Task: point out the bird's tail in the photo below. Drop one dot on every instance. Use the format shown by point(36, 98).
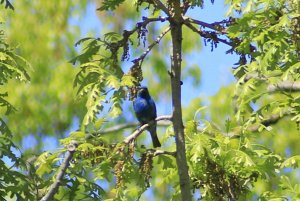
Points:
point(154, 137)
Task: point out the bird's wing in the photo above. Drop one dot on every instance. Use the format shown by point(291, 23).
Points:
point(140, 105)
point(141, 108)
point(153, 108)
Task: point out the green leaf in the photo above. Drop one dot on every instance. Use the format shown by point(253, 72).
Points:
point(115, 111)
point(110, 4)
point(77, 135)
point(99, 123)
point(113, 82)
point(293, 161)
point(128, 81)
point(45, 162)
point(166, 161)
point(241, 157)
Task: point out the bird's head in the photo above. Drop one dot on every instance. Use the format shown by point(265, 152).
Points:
point(143, 92)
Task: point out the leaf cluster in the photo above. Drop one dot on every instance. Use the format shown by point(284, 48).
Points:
point(13, 183)
point(223, 167)
point(100, 78)
point(273, 29)
point(127, 167)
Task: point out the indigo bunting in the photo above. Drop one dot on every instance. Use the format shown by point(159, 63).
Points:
point(145, 111)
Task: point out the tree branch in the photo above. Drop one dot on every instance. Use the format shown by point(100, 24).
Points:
point(158, 39)
point(114, 47)
point(207, 34)
point(119, 127)
point(162, 152)
point(185, 6)
point(273, 119)
point(139, 131)
point(287, 86)
point(214, 26)
point(161, 6)
point(144, 23)
point(63, 168)
point(284, 86)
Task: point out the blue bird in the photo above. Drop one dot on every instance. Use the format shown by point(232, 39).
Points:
point(145, 111)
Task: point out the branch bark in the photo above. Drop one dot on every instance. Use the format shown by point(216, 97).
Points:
point(273, 119)
point(288, 86)
point(162, 123)
point(142, 57)
point(176, 32)
point(139, 131)
point(161, 6)
point(204, 24)
point(284, 86)
point(63, 168)
point(205, 34)
point(162, 152)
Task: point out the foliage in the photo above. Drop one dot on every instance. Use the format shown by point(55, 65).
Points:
point(12, 66)
point(223, 167)
point(100, 74)
point(48, 101)
point(274, 61)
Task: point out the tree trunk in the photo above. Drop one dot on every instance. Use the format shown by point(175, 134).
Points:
point(176, 33)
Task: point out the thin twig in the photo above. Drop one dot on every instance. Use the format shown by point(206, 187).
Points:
point(144, 23)
point(158, 39)
point(161, 6)
point(62, 171)
point(204, 24)
point(127, 125)
point(207, 35)
point(139, 131)
point(117, 128)
point(273, 119)
point(185, 5)
point(155, 152)
point(162, 152)
point(139, 25)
